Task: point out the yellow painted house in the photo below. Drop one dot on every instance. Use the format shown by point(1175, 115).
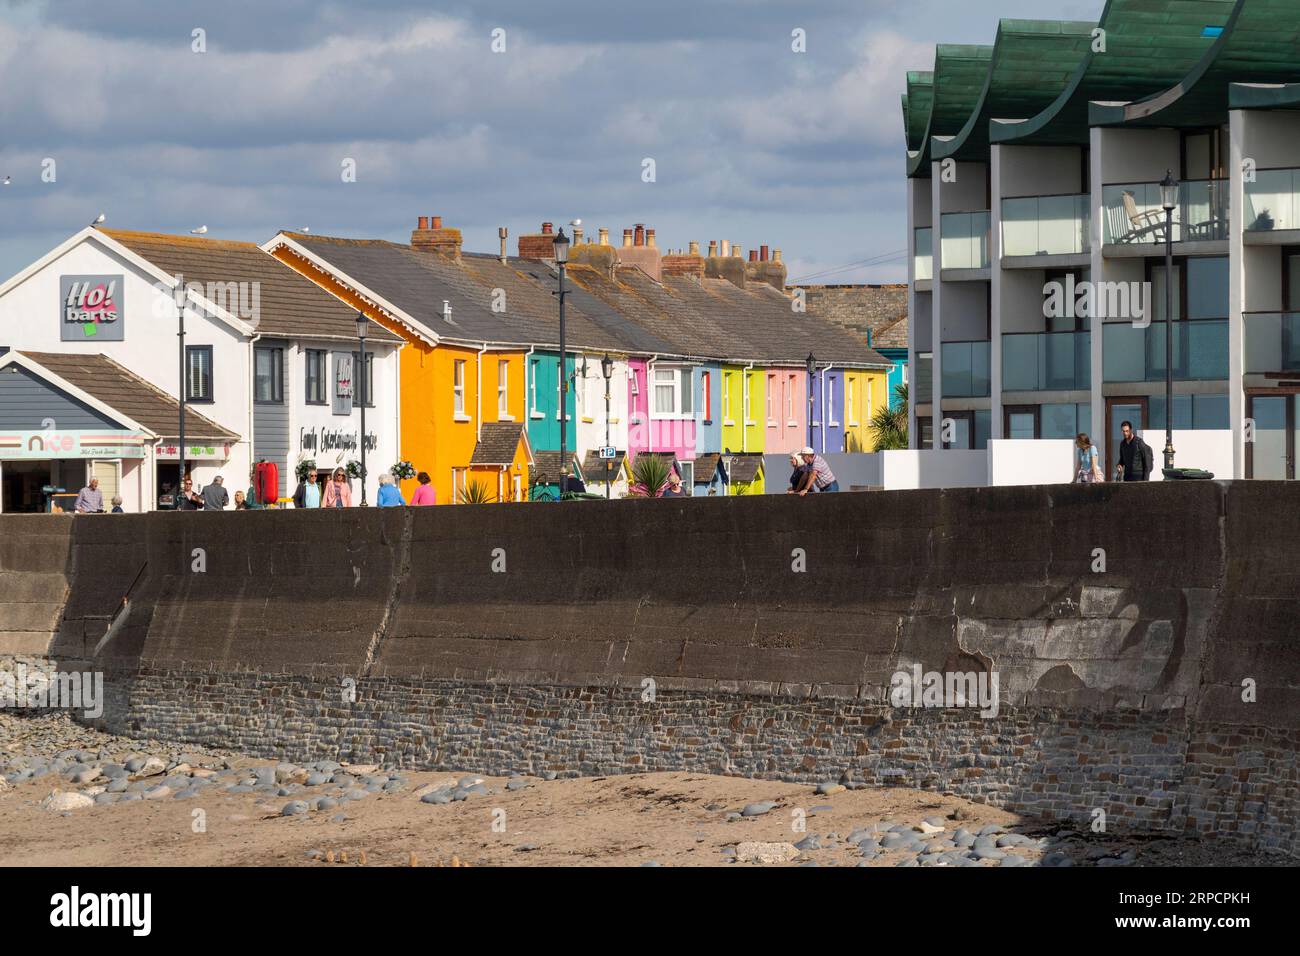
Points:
point(743, 399)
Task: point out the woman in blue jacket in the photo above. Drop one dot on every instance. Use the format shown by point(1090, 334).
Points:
point(390, 496)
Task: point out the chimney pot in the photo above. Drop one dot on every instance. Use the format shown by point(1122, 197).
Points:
point(737, 251)
point(604, 236)
point(639, 234)
point(437, 222)
point(424, 223)
point(725, 250)
point(753, 255)
point(546, 228)
point(762, 253)
point(776, 255)
point(650, 238)
point(713, 248)
point(695, 248)
point(577, 235)
point(627, 237)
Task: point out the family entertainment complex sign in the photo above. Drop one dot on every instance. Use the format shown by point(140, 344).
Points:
point(90, 307)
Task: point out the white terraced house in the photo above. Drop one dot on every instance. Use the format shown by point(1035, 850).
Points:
point(1037, 231)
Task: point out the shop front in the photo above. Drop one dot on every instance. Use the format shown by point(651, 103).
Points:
point(43, 471)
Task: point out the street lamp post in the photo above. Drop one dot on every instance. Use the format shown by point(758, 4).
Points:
point(178, 296)
point(561, 259)
point(1169, 199)
point(362, 324)
point(607, 369)
point(812, 371)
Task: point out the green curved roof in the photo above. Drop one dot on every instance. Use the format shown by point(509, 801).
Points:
point(1150, 45)
point(959, 71)
point(916, 107)
point(1259, 43)
point(1249, 96)
point(1032, 61)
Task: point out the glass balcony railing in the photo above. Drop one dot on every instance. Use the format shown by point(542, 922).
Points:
point(924, 378)
point(1272, 342)
point(924, 253)
point(1046, 361)
point(1273, 200)
point(1045, 225)
point(965, 369)
point(1132, 354)
point(1134, 214)
point(964, 240)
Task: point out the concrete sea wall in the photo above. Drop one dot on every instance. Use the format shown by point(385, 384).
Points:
point(1143, 638)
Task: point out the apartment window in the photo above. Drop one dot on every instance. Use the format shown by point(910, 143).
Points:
point(726, 397)
point(749, 398)
point(534, 365)
point(789, 400)
point(314, 375)
point(771, 398)
point(851, 408)
point(368, 381)
point(706, 394)
point(198, 366)
point(829, 411)
point(268, 375)
point(687, 470)
point(672, 392)
point(503, 385)
point(458, 387)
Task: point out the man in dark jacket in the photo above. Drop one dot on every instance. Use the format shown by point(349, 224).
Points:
point(1135, 456)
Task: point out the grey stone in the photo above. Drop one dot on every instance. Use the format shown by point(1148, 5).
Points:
point(298, 807)
point(755, 809)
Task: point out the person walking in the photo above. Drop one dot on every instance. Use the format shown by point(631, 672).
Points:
point(819, 476)
point(426, 494)
point(215, 497)
point(390, 496)
point(1087, 467)
point(337, 493)
point(308, 492)
point(90, 500)
point(798, 476)
point(1135, 456)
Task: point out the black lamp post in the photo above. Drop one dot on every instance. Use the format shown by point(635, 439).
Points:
point(362, 328)
point(812, 371)
point(561, 259)
point(1169, 199)
point(607, 369)
point(178, 296)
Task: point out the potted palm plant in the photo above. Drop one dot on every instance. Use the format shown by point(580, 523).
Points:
point(649, 475)
point(889, 423)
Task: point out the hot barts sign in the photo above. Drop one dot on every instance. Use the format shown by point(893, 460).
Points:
point(90, 307)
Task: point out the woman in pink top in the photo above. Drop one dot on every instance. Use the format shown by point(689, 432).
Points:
point(337, 493)
point(425, 494)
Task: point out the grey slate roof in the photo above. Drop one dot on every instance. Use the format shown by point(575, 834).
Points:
point(289, 304)
point(546, 464)
point(706, 467)
point(745, 467)
point(497, 443)
point(129, 394)
point(593, 466)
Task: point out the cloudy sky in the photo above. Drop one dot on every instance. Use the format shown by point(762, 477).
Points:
point(751, 141)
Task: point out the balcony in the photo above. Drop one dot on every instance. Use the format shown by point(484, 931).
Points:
point(1046, 361)
point(1273, 200)
point(964, 240)
point(1131, 354)
point(965, 369)
point(1272, 342)
point(924, 379)
point(1046, 225)
point(924, 257)
point(1134, 216)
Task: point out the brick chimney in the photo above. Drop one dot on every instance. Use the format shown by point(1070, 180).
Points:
point(635, 251)
point(538, 245)
point(683, 264)
point(760, 268)
point(430, 236)
point(730, 265)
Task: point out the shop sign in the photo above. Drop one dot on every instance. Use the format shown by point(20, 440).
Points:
point(192, 452)
point(102, 443)
point(323, 440)
point(91, 307)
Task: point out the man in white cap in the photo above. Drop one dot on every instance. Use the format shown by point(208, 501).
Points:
point(819, 476)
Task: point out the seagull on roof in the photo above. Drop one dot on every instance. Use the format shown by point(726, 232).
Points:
point(199, 231)
point(99, 219)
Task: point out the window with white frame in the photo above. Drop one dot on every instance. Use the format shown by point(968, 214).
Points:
point(534, 365)
point(503, 387)
point(672, 392)
point(852, 409)
point(687, 470)
point(726, 397)
point(458, 386)
point(789, 400)
point(771, 392)
point(749, 398)
point(829, 411)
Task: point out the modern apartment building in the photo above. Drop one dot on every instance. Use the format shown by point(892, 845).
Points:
point(1037, 233)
